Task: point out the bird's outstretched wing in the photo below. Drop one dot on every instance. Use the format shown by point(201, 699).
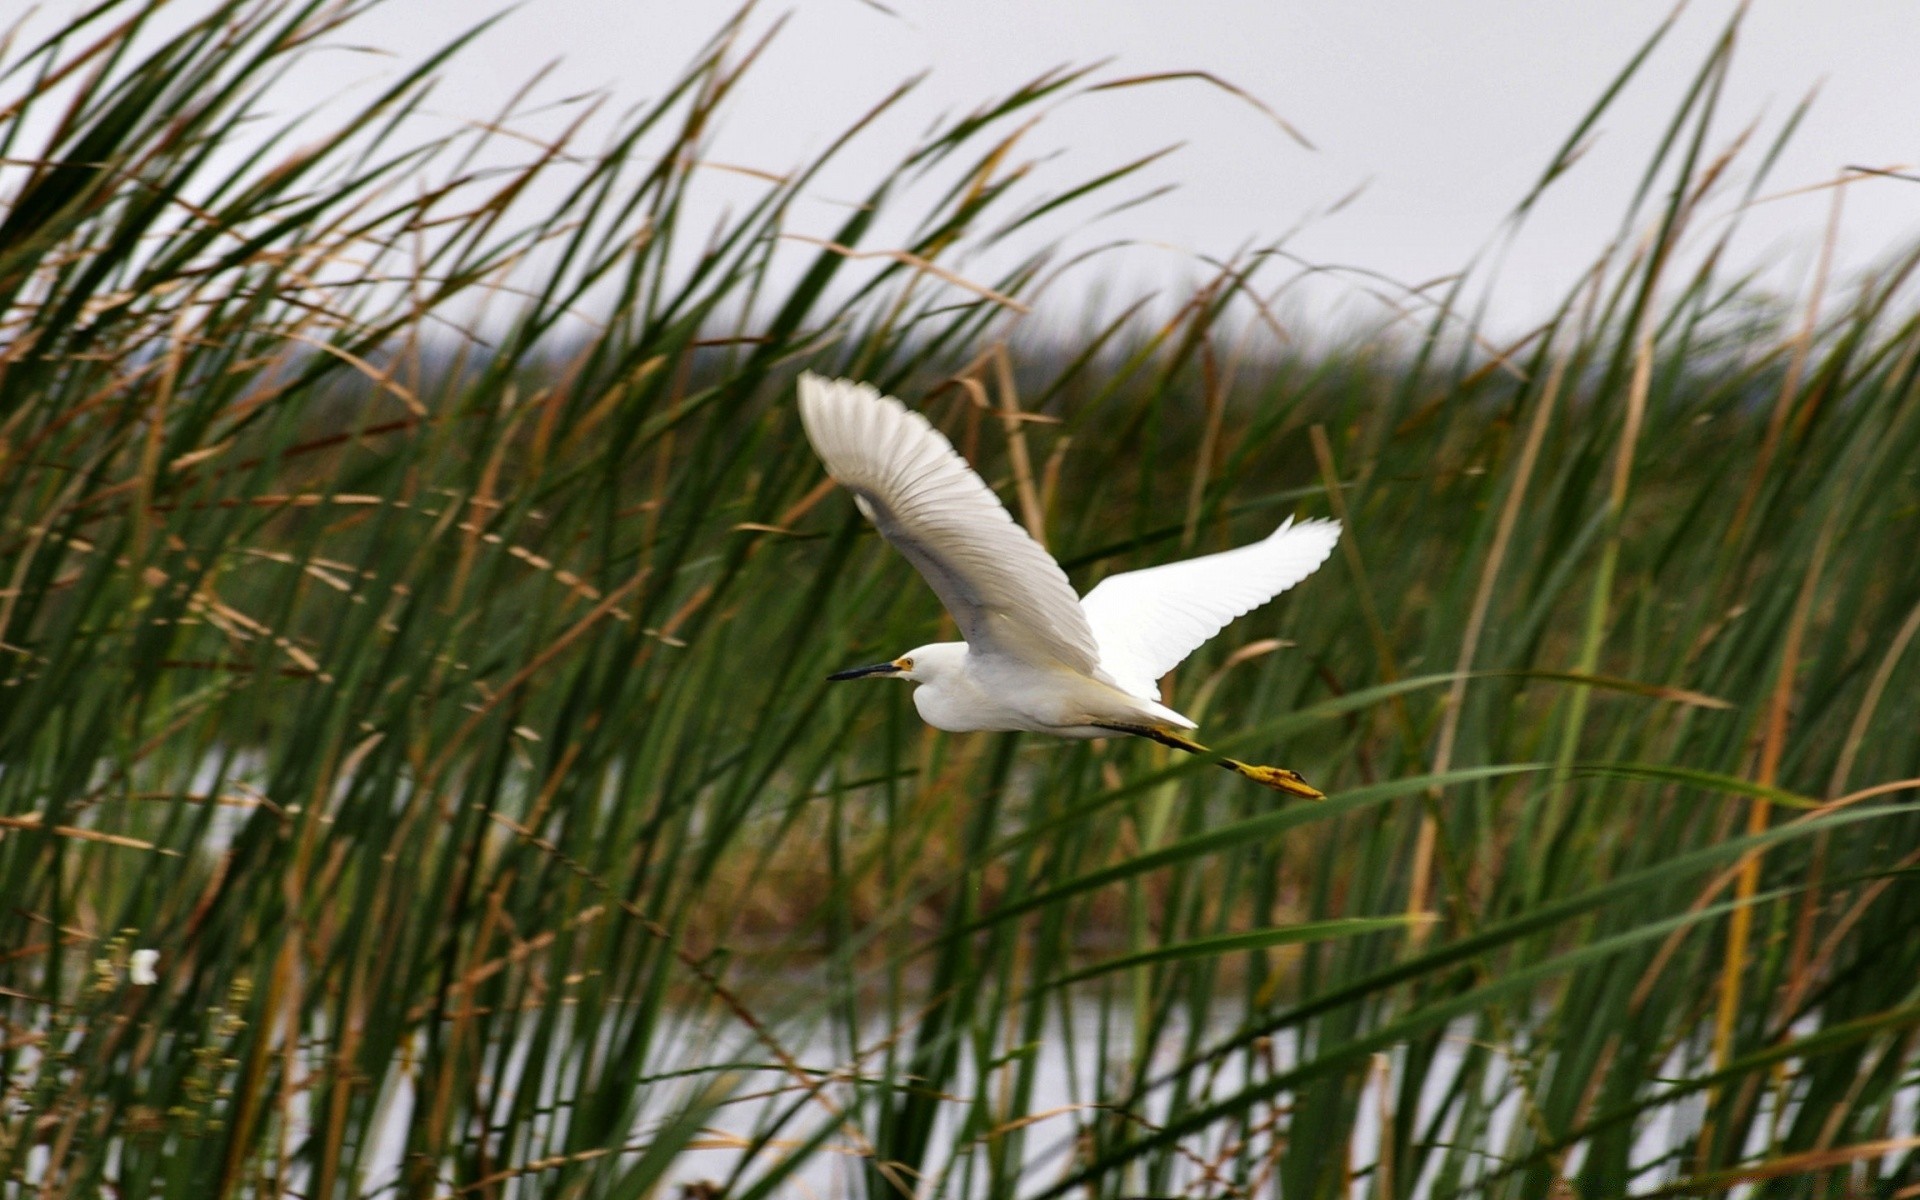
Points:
point(1146, 622)
point(1005, 592)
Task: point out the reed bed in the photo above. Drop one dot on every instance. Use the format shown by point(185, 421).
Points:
point(414, 611)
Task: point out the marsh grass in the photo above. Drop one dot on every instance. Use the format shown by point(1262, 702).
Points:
point(447, 709)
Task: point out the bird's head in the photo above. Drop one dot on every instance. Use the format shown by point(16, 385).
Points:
point(928, 664)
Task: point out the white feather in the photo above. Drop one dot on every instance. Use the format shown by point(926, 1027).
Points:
point(1147, 622)
point(1006, 593)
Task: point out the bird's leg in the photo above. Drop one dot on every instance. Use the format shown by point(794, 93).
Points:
point(1278, 778)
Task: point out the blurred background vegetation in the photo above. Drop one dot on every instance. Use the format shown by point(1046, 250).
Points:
point(414, 611)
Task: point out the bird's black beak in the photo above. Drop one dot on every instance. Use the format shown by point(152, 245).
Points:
point(885, 668)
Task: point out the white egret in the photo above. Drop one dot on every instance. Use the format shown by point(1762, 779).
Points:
point(1037, 657)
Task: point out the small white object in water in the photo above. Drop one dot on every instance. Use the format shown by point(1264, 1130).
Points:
point(1036, 656)
point(140, 971)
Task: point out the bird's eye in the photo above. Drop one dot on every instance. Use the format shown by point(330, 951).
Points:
point(906, 664)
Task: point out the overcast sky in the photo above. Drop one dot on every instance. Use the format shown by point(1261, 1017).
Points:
point(1446, 112)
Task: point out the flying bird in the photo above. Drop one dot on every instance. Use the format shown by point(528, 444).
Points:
point(1037, 657)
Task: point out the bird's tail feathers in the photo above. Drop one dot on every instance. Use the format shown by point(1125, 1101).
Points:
point(1166, 716)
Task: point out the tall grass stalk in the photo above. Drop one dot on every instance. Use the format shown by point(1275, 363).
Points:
point(416, 592)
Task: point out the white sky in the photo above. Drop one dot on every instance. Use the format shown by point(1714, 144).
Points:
point(1447, 111)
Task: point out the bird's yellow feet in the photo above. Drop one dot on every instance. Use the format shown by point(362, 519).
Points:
point(1279, 779)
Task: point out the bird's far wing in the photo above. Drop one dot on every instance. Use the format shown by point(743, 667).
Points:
point(1005, 592)
point(1146, 622)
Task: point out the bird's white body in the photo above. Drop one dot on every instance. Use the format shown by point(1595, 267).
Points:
point(1037, 657)
point(961, 692)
